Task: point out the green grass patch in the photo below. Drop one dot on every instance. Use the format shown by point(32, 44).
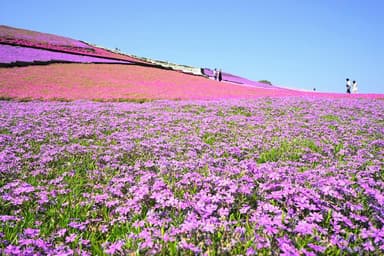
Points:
point(288, 150)
point(195, 109)
point(5, 131)
point(330, 118)
point(238, 110)
point(212, 138)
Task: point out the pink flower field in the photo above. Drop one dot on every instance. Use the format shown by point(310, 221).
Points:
point(269, 176)
point(97, 81)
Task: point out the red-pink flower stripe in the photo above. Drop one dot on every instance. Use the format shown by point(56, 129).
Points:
point(103, 81)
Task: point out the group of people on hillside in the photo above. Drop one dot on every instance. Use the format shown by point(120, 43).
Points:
point(217, 75)
point(350, 87)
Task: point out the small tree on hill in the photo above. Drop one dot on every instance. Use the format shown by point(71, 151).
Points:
point(265, 82)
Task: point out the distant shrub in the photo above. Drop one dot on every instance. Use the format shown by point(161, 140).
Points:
point(139, 100)
point(5, 98)
point(60, 99)
point(265, 82)
point(26, 99)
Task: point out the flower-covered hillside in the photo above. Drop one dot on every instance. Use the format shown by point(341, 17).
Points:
point(28, 38)
point(14, 35)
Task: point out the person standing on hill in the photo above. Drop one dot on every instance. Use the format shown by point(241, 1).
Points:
point(220, 76)
point(354, 86)
point(348, 85)
point(215, 74)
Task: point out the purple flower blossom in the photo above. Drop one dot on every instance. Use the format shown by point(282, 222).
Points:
point(188, 246)
point(304, 228)
point(6, 218)
point(250, 251)
point(317, 248)
point(61, 232)
point(12, 250)
point(244, 209)
point(315, 217)
point(71, 238)
point(30, 232)
point(368, 246)
point(115, 247)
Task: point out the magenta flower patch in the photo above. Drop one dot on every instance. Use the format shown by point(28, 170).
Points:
point(17, 54)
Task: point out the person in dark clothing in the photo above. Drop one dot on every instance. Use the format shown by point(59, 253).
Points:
point(220, 76)
point(348, 85)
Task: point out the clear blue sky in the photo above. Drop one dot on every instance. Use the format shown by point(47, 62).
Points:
point(293, 43)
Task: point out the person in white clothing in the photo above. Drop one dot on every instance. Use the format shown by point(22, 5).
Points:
point(354, 87)
point(215, 74)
